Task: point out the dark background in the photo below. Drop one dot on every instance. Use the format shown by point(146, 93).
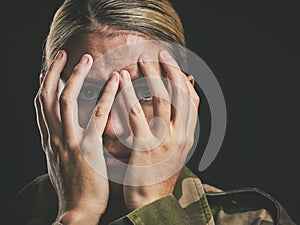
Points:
point(252, 48)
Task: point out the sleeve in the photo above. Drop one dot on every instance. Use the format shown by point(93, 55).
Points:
point(163, 211)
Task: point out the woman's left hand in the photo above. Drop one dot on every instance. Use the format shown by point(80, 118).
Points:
point(159, 150)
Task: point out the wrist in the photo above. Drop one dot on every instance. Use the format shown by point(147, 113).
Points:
point(138, 201)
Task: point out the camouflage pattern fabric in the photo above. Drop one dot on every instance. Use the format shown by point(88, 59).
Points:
point(192, 203)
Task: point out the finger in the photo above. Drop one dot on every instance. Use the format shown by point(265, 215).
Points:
point(39, 115)
point(91, 146)
point(47, 94)
point(119, 116)
point(68, 97)
point(137, 119)
point(180, 91)
point(104, 105)
point(40, 122)
point(193, 114)
point(119, 110)
point(160, 95)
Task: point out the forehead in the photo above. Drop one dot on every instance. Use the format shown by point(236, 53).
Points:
point(110, 53)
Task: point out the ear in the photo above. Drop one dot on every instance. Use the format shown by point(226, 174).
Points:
point(191, 79)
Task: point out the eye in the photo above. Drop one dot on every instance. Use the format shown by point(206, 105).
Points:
point(88, 93)
point(143, 93)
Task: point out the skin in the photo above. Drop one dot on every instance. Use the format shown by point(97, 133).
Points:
point(84, 196)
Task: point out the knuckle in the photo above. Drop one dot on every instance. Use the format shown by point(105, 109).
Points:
point(102, 110)
point(196, 100)
point(72, 146)
point(45, 145)
point(63, 156)
point(162, 101)
point(136, 110)
point(182, 143)
point(189, 143)
point(65, 100)
point(36, 101)
point(181, 91)
point(44, 95)
point(55, 142)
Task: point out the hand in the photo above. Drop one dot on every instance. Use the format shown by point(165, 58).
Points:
point(160, 149)
point(82, 192)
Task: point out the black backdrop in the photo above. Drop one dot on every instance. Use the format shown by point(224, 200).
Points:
point(253, 50)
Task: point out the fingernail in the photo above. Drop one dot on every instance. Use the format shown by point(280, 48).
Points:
point(59, 55)
point(125, 75)
point(84, 59)
point(165, 54)
point(146, 59)
point(114, 77)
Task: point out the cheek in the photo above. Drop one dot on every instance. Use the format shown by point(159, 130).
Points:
point(85, 110)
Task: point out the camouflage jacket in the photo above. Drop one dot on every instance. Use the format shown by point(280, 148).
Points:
point(192, 203)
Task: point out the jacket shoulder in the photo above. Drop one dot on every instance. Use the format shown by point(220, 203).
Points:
point(245, 206)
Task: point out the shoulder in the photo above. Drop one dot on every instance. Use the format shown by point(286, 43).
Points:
point(36, 203)
point(241, 206)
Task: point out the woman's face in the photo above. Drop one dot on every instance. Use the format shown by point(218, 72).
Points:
point(111, 54)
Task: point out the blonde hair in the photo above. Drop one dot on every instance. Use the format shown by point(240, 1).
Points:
point(156, 19)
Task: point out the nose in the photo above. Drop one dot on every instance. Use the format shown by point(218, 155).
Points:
point(117, 124)
point(118, 121)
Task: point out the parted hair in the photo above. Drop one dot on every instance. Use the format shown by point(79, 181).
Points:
point(156, 19)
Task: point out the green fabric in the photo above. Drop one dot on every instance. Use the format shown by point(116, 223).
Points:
point(191, 203)
point(167, 210)
point(199, 212)
point(161, 212)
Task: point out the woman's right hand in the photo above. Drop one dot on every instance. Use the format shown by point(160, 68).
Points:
point(82, 192)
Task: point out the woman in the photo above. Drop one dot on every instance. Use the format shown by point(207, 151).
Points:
point(117, 117)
